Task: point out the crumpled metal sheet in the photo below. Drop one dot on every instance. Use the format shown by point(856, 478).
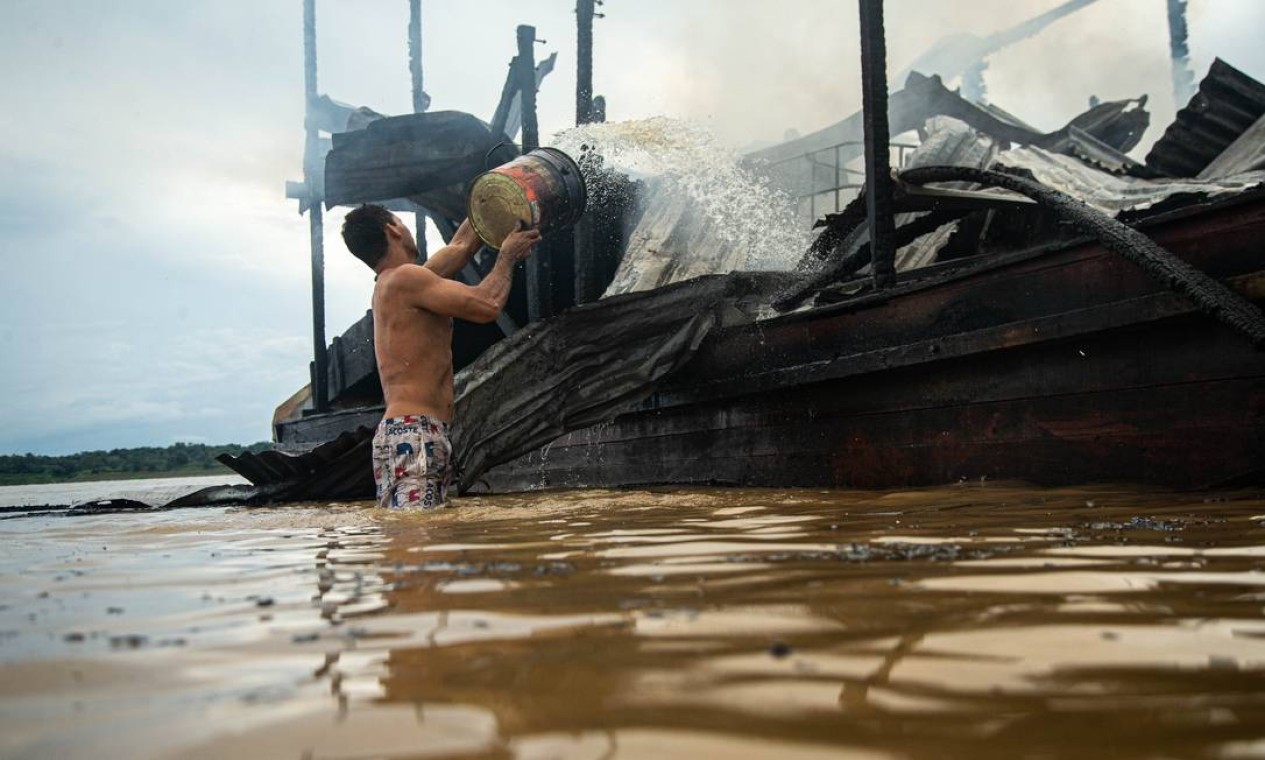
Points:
point(339, 469)
point(410, 155)
point(585, 366)
point(1113, 194)
point(949, 143)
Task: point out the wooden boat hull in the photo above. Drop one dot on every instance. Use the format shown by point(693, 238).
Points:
point(1055, 367)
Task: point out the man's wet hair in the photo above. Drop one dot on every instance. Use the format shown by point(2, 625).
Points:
point(365, 232)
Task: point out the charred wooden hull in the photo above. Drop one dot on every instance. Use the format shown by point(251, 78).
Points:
point(1057, 367)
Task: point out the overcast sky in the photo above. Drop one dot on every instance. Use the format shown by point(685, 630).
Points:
point(156, 282)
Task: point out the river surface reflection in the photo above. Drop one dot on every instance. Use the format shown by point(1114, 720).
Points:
point(974, 621)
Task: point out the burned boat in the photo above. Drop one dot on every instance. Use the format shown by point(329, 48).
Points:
point(1010, 339)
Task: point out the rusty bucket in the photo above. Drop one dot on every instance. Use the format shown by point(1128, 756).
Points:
point(542, 188)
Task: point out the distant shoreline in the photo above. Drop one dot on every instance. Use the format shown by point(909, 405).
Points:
point(89, 477)
point(179, 460)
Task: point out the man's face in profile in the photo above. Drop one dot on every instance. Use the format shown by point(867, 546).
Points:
point(406, 234)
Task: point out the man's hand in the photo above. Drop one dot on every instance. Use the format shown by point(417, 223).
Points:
point(520, 243)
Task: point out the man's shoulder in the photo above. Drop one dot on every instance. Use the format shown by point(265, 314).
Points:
point(406, 275)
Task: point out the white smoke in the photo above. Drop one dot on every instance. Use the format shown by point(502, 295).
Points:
point(751, 69)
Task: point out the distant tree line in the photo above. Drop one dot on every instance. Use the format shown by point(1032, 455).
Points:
point(146, 461)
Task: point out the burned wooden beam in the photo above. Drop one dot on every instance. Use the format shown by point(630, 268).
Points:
point(508, 117)
point(526, 81)
point(878, 170)
point(316, 228)
point(584, 61)
point(539, 282)
point(421, 101)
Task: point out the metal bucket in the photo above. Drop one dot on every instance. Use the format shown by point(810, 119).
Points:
point(542, 188)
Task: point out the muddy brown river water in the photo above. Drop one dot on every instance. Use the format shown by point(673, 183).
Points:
point(978, 621)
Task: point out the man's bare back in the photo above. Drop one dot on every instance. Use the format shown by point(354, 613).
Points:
point(414, 350)
point(413, 308)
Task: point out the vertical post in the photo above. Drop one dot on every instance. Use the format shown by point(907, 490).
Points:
point(420, 100)
point(878, 171)
point(838, 180)
point(539, 292)
point(527, 86)
point(415, 55)
point(1179, 49)
point(584, 62)
point(311, 155)
point(583, 251)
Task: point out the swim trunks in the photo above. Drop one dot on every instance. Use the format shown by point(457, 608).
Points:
point(412, 462)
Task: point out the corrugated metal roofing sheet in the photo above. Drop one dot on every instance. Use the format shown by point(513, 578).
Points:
point(1093, 151)
point(1228, 103)
point(1113, 194)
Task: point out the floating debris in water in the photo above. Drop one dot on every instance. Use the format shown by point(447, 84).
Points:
point(128, 641)
point(1137, 523)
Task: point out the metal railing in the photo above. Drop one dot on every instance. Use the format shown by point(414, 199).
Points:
point(828, 183)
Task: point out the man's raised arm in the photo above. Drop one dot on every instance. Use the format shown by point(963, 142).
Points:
point(449, 260)
point(480, 303)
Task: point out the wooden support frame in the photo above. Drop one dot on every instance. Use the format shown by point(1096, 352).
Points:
point(316, 226)
point(421, 101)
point(527, 86)
point(584, 11)
point(539, 269)
point(878, 170)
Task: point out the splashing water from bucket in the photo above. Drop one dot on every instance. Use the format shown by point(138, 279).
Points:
point(755, 223)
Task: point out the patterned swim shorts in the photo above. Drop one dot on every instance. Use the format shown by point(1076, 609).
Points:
point(412, 462)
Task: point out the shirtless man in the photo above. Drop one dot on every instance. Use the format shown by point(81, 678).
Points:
point(413, 307)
